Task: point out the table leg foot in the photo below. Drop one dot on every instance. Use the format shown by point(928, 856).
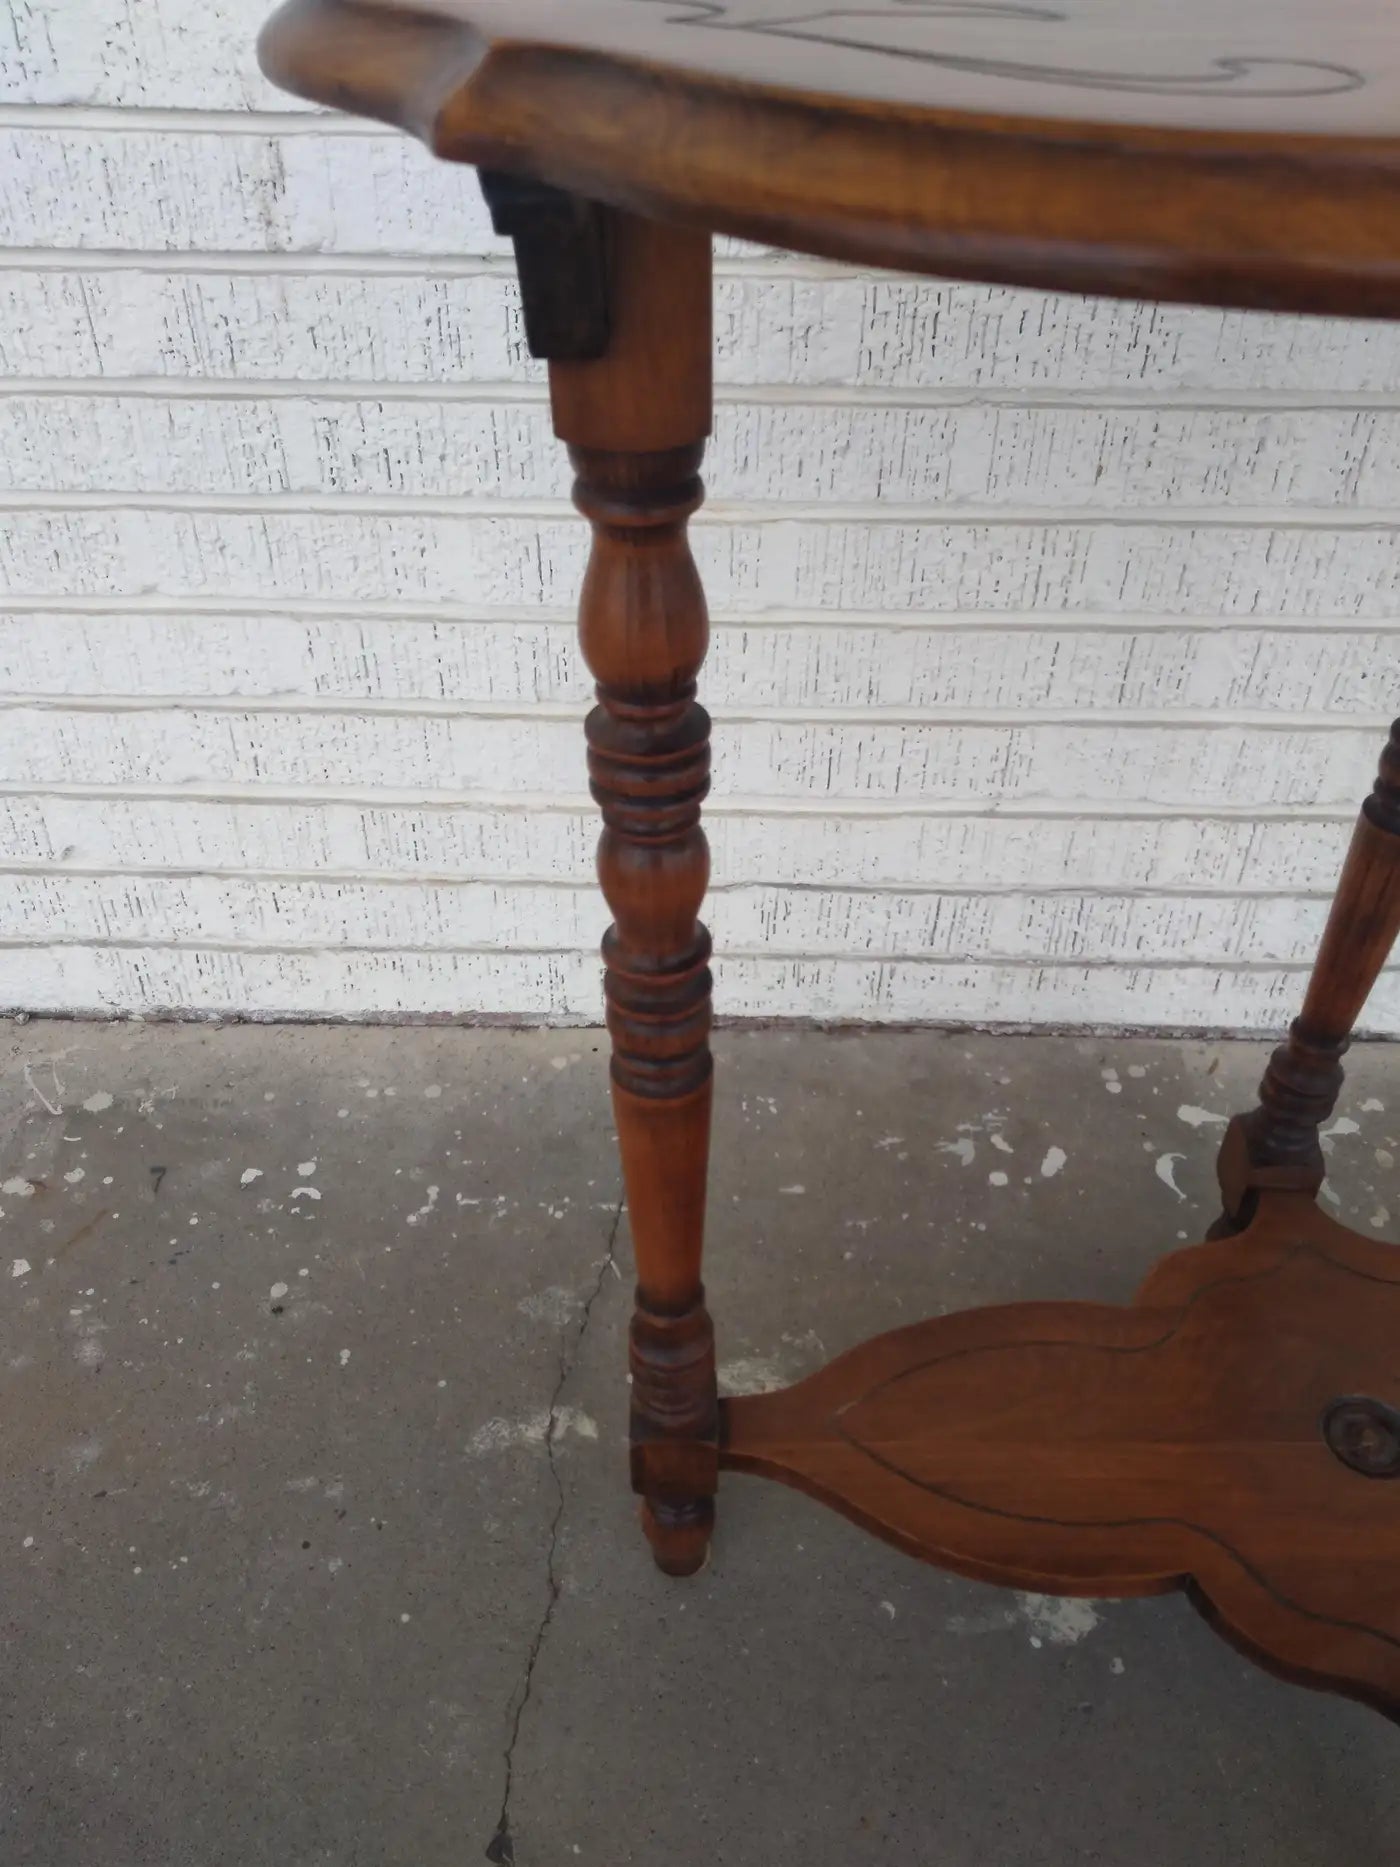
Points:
point(679, 1533)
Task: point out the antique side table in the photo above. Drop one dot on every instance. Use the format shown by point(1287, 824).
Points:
point(1236, 1431)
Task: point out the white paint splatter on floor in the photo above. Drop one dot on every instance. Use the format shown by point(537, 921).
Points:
point(1062, 1620)
point(994, 1621)
point(1055, 1158)
point(277, 1292)
point(996, 1179)
point(424, 1210)
point(306, 1168)
point(1164, 1171)
point(18, 1187)
point(555, 1306)
point(751, 1374)
point(502, 1435)
point(1198, 1118)
point(249, 1174)
point(306, 1192)
point(97, 1104)
point(21, 1267)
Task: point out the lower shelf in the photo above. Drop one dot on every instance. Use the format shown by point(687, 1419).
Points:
point(1233, 1432)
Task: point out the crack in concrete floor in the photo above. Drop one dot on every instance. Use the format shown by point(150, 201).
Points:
point(501, 1847)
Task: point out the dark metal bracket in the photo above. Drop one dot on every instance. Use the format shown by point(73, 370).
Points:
point(561, 257)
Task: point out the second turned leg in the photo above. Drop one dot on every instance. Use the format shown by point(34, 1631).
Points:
point(636, 419)
point(1277, 1144)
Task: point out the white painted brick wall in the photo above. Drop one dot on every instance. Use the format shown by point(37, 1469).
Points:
point(1054, 639)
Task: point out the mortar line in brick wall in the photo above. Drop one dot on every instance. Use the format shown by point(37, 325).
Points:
point(495, 260)
point(587, 885)
point(198, 119)
point(570, 712)
point(498, 394)
point(1048, 963)
point(723, 514)
point(438, 615)
point(525, 803)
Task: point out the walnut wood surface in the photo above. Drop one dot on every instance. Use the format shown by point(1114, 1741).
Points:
point(1241, 155)
point(1085, 1449)
point(1277, 1144)
point(1236, 1432)
point(635, 420)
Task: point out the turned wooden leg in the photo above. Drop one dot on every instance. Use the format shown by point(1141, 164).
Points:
point(635, 419)
point(1277, 1145)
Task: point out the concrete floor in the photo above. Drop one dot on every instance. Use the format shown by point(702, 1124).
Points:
point(294, 1570)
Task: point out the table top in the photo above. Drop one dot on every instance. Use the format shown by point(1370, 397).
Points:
point(1239, 151)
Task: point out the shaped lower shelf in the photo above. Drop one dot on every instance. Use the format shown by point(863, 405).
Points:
point(1234, 1432)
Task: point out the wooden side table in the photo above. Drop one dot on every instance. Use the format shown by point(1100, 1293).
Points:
point(1236, 1431)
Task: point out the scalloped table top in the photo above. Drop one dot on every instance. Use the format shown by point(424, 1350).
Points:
point(1241, 151)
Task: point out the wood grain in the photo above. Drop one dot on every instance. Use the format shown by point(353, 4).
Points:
point(1081, 1449)
point(635, 419)
point(1218, 201)
point(1278, 1144)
